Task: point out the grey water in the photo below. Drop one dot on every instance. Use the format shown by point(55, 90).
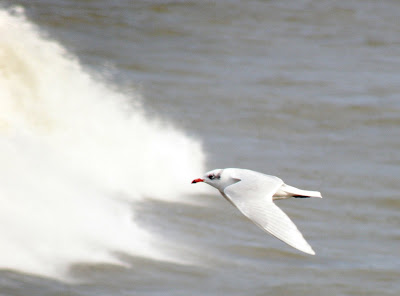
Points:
point(306, 90)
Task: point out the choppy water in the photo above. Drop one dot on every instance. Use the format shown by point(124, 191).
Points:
point(108, 109)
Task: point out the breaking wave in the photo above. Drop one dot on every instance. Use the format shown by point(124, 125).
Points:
point(70, 148)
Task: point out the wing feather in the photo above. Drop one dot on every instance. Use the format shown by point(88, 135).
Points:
point(252, 195)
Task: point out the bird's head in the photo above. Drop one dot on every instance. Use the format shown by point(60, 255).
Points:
point(218, 178)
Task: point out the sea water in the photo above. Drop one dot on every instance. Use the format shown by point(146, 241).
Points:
point(109, 109)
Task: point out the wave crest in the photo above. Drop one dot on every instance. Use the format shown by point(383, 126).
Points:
point(70, 145)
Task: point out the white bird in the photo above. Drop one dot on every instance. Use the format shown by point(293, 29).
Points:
point(253, 194)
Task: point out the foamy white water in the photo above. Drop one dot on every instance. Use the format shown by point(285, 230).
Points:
point(75, 154)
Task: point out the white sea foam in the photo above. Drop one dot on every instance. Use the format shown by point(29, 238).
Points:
point(69, 147)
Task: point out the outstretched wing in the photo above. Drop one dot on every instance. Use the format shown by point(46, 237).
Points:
point(252, 195)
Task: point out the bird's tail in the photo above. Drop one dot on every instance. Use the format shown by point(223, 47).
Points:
point(299, 193)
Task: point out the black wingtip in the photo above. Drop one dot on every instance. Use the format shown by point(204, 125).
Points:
point(301, 196)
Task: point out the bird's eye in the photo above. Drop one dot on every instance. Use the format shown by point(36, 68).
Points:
point(211, 177)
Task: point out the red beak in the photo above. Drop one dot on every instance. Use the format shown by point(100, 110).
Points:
point(197, 180)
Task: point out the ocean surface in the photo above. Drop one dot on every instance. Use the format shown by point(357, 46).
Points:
point(109, 109)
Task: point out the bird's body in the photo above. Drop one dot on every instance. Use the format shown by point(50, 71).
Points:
point(253, 194)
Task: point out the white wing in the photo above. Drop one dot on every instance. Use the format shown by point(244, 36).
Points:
point(252, 195)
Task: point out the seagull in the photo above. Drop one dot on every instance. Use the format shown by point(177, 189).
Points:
point(253, 194)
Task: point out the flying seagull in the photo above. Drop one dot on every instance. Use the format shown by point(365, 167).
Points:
point(253, 194)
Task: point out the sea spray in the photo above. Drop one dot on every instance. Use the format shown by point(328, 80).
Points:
point(70, 146)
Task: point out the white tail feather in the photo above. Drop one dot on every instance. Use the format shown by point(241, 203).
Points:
point(290, 191)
